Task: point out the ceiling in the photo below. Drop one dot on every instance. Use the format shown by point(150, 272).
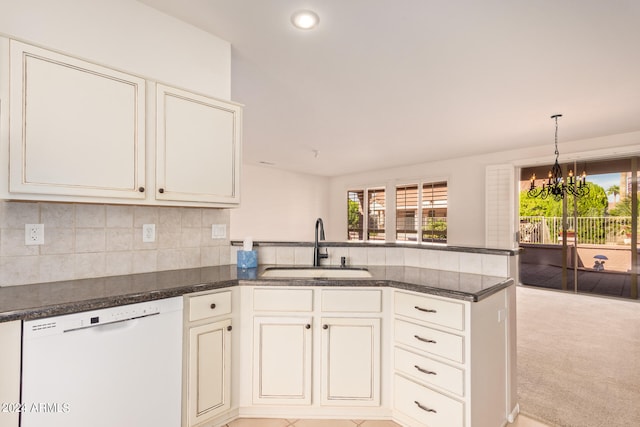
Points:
point(385, 83)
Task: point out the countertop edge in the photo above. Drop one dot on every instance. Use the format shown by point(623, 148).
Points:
point(62, 308)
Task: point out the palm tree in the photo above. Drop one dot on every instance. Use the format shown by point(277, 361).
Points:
point(615, 190)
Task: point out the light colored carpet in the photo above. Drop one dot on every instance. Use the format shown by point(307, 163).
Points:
point(578, 359)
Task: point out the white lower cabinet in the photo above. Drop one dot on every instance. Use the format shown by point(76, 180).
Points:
point(207, 391)
point(11, 344)
point(316, 347)
point(350, 361)
point(282, 349)
point(450, 364)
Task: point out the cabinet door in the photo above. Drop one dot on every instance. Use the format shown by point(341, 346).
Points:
point(209, 389)
point(350, 361)
point(76, 128)
point(198, 148)
point(282, 360)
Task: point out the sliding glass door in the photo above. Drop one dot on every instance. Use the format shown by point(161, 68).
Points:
point(583, 244)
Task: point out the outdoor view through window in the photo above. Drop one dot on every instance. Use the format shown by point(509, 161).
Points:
point(586, 244)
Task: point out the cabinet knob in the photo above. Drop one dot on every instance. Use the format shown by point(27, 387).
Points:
point(141, 189)
point(212, 306)
point(325, 326)
point(229, 328)
point(307, 326)
point(161, 190)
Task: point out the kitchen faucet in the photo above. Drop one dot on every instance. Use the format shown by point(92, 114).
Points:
point(317, 256)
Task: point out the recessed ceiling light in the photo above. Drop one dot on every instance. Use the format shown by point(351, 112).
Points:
point(305, 19)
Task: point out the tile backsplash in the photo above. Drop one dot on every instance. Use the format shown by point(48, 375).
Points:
point(87, 240)
point(449, 260)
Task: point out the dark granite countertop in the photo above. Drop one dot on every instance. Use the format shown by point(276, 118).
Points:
point(51, 299)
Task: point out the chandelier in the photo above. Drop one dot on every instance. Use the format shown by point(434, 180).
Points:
point(556, 185)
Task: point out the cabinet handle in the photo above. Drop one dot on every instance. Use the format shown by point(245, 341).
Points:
point(307, 326)
point(161, 190)
point(229, 328)
point(213, 306)
point(141, 189)
point(424, 371)
point(424, 408)
point(325, 326)
point(428, 341)
point(425, 310)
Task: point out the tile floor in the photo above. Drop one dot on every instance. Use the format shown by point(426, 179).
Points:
point(521, 421)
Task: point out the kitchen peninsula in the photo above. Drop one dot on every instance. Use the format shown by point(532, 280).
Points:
point(451, 322)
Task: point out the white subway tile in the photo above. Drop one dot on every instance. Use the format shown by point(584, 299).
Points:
point(376, 256)
point(412, 257)
point(449, 261)
point(495, 265)
point(470, 263)
point(285, 255)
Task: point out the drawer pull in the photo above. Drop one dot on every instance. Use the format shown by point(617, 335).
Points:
point(424, 371)
point(424, 408)
point(425, 310)
point(428, 341)
point(213, 306)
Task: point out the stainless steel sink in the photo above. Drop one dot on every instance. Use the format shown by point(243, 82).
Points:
point(316, 272)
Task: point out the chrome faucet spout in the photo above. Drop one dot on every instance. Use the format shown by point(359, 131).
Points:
point(317, 256)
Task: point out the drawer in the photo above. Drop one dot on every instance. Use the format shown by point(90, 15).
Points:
point(443, 344)
point(432, 310)
point(283, 300)
point(352, 301)
point(430, 371)
point(426, 406)
point(209, 305)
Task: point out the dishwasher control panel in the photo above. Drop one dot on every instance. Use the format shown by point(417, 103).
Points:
point(95, 318)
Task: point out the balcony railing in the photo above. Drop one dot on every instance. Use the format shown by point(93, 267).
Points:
point(611, 230)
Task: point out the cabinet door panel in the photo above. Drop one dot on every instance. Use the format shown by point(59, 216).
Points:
point(282, 360)
point(351, 361)
point(76, 129)
point(209, 370)
point(198, 147)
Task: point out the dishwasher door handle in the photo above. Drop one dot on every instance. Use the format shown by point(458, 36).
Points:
point(110, 323)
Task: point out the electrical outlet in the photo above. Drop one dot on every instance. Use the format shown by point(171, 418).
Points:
point(148, 233)
point(34, 234)
point(219, 231)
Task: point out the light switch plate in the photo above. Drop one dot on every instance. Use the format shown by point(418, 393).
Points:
point(219, 231)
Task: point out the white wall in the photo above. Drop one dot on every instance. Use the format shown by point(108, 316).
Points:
point(279, 205)
point(126, 35)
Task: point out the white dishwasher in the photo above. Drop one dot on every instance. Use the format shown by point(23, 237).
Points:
point(113, 367)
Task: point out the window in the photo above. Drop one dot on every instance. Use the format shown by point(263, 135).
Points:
point(369, 204)
point(420, 213)
point(375, 214)
point(355, 214)
point(434, 212)
point(407, 213)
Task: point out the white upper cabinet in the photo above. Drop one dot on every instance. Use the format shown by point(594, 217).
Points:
point(76, 128)
point(198, 147)
point(77, 134)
